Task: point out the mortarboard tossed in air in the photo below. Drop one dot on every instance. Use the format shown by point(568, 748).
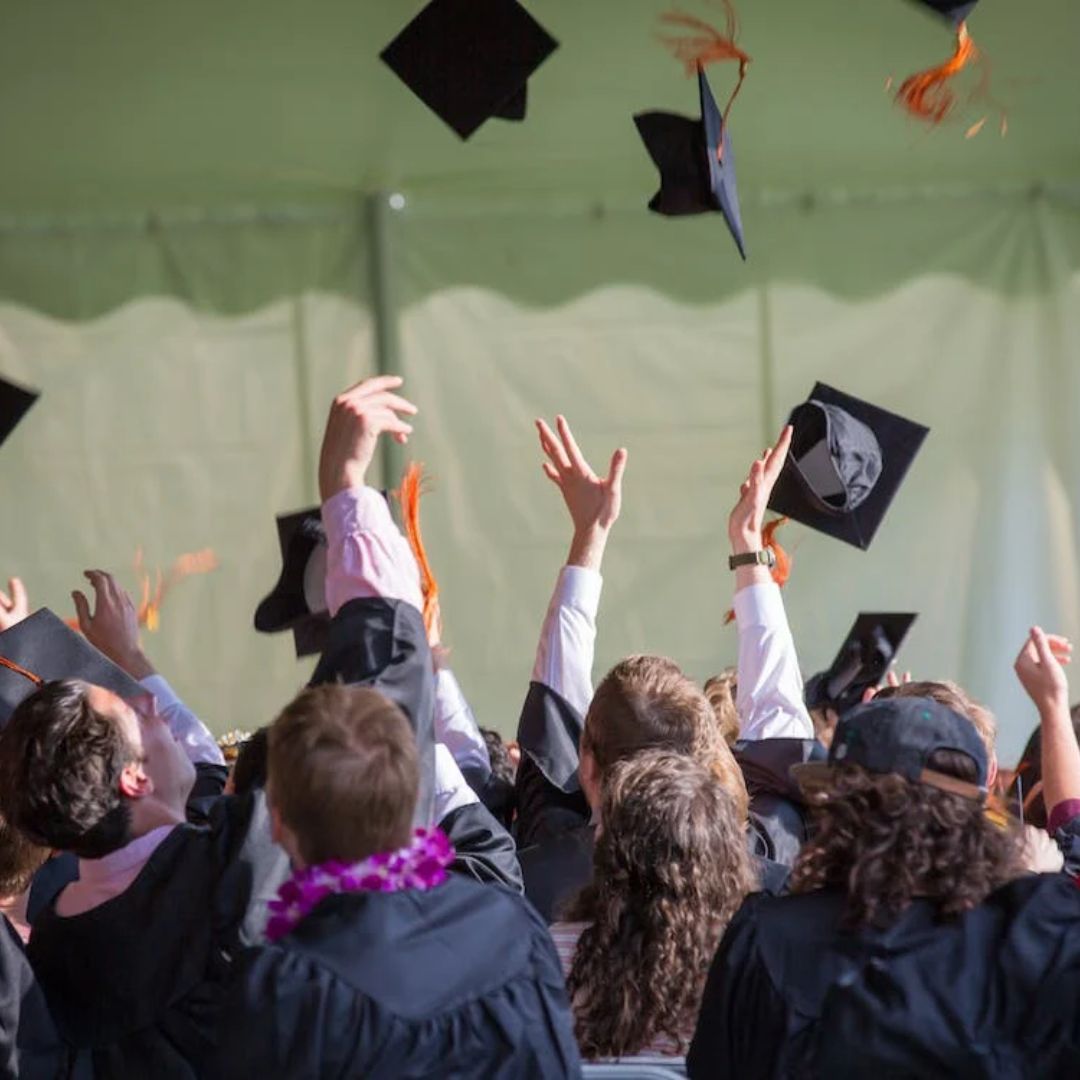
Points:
point(470, 60)
point(862, 662)
point(927, 94)
point(15, 401)
point(43, 648)
point(847, 461)
point(298, 600)
point(695, 157)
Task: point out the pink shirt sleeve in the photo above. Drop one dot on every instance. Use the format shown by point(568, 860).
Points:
point(366, 554)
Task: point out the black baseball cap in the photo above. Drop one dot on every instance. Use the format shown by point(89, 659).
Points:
point(900, 735)
point(42, 649)
point(470, 60)
point(696, 163)
point(847, 461)
point(298, 601)
point(870, 647)
point(15, 401)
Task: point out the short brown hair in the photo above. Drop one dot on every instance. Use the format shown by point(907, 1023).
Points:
point(952, 697)
point(721, 690)
point(647, 702)
point(20, 860)
point(343, 773)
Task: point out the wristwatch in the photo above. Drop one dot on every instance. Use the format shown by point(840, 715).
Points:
point(766, 558)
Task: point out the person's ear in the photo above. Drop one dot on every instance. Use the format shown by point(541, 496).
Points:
point(589, 776)
point(134, 782)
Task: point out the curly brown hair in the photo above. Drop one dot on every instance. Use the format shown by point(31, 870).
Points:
point(884, 841)
point(721, 690)
point(671, 867)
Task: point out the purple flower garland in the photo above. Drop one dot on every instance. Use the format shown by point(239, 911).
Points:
point(421, 866)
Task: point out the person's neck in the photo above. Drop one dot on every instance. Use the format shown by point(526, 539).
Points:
point(14, 909)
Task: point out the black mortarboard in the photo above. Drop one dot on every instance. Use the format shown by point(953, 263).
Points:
point(950, 9)
point(46, 648)
point(14, 403)
point(696, 162)
point(298, 600)
point(869, 648)
point(469, 60)
point(847, 461)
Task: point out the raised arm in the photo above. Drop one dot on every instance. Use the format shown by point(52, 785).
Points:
point(113, 628)
point(1040, 670)
point(770, 688)
point(549, 730)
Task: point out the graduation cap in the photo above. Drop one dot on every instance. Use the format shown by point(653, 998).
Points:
point(298, 600)
point(950, 9)
point(869, 648)
point(847, 461)
point(469, 60)
point(696, 162)
point(43, 648)
point(15, 402)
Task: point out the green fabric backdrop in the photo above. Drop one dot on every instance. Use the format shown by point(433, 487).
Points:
point(197, 250)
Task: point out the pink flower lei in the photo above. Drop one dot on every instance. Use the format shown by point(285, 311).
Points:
point(422, 866)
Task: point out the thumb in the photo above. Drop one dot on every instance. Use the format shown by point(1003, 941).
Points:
point(82, 610)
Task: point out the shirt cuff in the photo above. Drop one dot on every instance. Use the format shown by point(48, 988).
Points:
point(355, 510)
point(1061, 814)
point(759, 605)
point(164, 694)
point(579, 587)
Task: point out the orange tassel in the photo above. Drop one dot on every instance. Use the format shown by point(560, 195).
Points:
point(707, 45)
point(782, 570)
point(409, 496)
point(926, 94)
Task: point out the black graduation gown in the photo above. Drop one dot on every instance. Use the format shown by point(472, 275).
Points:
point(555, 834)
point(136, 983)
point(383, 644)
point(459, 981)
point(992, 993)
point(30, 1046)
point(777, 809)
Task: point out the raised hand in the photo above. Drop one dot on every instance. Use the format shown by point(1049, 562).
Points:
point(1039, 667)
point(748, 514)
point(113, 627)
point(14, 604)
point(357, 418)
point(593, 501)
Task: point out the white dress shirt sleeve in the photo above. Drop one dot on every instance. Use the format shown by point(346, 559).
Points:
point(456, 727)
point(451, 788)
point(770, 687)
point(564, 657)
point(188, 730)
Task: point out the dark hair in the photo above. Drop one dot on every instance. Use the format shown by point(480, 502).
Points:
point(647, 702)
point(884, 841)
point(498, 794)
point(671, 866)
point(60, 766)
point(1028, 775)
point(343, 772)
point(20, 860)
point(249, 769)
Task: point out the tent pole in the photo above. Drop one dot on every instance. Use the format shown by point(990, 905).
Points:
point(380, 209)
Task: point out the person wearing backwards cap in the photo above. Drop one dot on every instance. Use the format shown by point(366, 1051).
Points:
point(914, 944)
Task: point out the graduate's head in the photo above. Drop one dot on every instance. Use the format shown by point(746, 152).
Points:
point(647, 702)
point(671, 867)
point(343, 775)
point(85, 771)
point(899, 813)
point(957, 699)
point(19, 861)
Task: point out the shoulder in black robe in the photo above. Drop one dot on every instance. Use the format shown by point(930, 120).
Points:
point(459, 981)
point(991, 993)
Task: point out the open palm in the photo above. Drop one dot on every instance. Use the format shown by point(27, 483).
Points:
point(593, 501)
